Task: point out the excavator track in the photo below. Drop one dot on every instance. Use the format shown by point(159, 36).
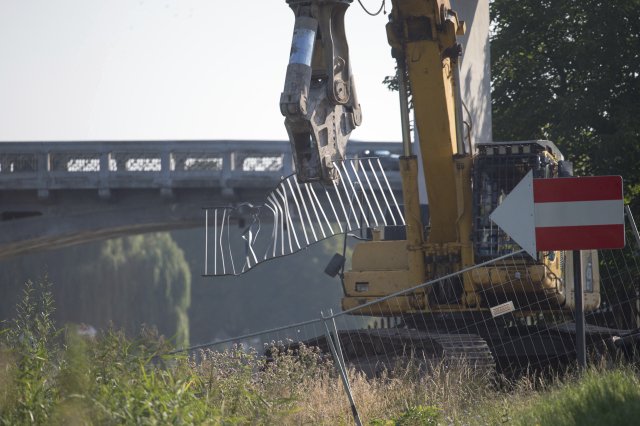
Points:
point(373, 351)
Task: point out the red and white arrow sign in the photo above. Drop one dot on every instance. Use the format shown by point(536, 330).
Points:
point(576, 213)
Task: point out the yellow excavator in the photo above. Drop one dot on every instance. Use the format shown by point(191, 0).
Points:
point(320, 107)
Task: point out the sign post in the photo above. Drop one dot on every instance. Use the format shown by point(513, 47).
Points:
point(581, 346)
point(573, 213)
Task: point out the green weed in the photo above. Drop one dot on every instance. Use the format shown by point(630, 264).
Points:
point(596, 398)
point(49, 376)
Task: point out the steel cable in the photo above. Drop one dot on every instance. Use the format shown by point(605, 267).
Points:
point(382, 8)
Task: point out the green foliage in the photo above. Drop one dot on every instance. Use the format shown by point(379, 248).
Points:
point(597, 398)
point(143, 279)
point(419, 415)
point(26, 355)
point(133, 384)
point(250, 391)
point(112, 379)
point(568, 71)
point(74, 377)
point(151, 283)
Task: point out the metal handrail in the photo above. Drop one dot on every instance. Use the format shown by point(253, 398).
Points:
point(28, 165)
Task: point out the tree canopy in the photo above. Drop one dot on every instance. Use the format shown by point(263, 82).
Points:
point(569, 71)
point(142, 279)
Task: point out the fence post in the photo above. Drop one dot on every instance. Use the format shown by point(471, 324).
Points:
point(341, 368)
point(337, 339)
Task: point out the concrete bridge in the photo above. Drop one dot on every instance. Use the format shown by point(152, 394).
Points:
point(55, 194)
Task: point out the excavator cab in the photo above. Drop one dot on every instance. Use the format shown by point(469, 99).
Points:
point(498, 168)
point(380, 267)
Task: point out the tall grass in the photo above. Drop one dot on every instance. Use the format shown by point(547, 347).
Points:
point(50, 376)
point(597, 397)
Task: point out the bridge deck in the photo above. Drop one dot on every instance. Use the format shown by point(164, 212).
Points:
point(59, 193)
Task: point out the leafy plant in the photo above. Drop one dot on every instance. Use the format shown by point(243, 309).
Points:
point(29, 349)
point(111, 379)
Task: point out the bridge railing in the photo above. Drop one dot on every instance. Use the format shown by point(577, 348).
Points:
point(45, 166)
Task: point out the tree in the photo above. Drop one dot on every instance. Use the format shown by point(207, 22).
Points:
point(150, 282)
point(142, 279)
point(568, 71)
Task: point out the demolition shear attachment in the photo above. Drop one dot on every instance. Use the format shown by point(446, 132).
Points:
point(319, 99)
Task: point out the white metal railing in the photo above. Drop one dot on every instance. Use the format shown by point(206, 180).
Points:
point(83, 165)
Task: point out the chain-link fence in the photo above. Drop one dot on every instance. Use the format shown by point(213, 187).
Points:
point(523, 324)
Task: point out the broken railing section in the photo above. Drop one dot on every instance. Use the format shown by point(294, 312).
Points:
point(296, 215)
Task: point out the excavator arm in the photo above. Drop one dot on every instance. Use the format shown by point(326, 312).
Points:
point(321, 109)
point(422, 35)
point(319, 99)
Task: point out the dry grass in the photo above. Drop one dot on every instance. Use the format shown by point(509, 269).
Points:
point(114, 380)
point(302, 387)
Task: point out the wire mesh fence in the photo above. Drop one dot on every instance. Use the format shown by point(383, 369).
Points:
point(522, 322)
point(619, 273)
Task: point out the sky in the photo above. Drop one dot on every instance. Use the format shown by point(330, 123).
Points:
point(168, 69)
